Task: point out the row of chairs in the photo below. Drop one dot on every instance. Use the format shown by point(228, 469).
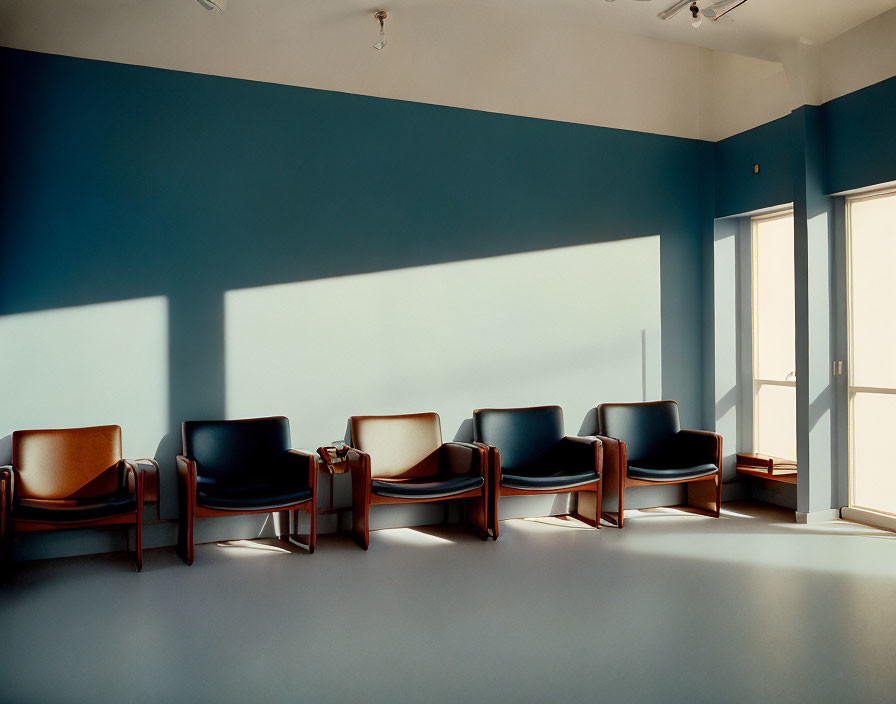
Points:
point(77, 477)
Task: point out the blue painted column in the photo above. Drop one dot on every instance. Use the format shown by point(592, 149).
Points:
point(812, 258)
point(723, 418)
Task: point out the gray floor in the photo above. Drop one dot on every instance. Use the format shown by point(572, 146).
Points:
point(675, 608)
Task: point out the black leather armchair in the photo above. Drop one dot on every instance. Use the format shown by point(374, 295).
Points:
point(233, 467)
point(644, 445)
point(530, 454)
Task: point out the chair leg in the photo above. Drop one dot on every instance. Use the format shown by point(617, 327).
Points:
point(493, 512)
point(138, 536)
point(705, 496)
point(180, 548)
point(361, 524)
point(6, 560)
point(312, 534)
point(138, 539)
point(285, 525)
point(616, 518)
point(185, 535)
point(612, 482)
point(478, 515)
point(586, 517)
point(5, 528)
point(597, 505)
point(191, 547)
point(291, 518)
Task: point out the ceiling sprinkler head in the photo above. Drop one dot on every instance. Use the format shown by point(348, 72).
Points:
point(695, 13)
point(381, 15)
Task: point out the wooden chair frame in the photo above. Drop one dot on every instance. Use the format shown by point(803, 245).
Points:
point(363, 497)
point(704, 494)
point(497, 491)
point(9, 525)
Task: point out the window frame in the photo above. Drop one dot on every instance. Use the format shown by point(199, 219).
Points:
point(756, 383)
point(862, 512)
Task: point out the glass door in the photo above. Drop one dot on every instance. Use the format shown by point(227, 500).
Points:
point(774, 344)
point(871, 242)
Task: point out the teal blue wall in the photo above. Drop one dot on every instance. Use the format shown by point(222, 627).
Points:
point(122, 182)
point(859, 151)
point(737, 188)
point(860, 138)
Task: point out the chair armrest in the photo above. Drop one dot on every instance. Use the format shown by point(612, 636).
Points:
point(134, 478)
point(150, 478)
point(464, 458)
point(359, 463)
point(359, 467)
point(614, 460)
point(7, 483)
point(701, 446)
point(187, 469)
point(127, 475)
point(8, 475)
point(583, 452)
point(492, 462)
point(301, 462)
point(7, 491)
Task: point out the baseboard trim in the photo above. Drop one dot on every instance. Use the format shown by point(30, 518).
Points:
point(734, 491)
point(822, 516)
point(869, 518)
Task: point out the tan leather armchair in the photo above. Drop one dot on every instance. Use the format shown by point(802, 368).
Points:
point(402, 459)
point(73, 478)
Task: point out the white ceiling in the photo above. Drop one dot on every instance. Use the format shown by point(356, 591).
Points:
point(612, 64)
point(759, 28)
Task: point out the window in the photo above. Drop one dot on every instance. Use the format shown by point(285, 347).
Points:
point(774, 348)
point(871, 242)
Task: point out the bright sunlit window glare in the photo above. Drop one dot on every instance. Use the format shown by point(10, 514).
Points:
point(774, 344)
point(872, 351)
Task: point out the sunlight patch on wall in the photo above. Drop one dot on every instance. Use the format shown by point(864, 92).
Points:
point(90, 365)
point(572, 326)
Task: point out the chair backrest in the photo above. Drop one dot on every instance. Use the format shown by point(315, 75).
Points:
point(524, 436)
point(644, 427)
point(66, 463)
point(405, 445)
point(230, 449)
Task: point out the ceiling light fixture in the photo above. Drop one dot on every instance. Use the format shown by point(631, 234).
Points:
point(381, 16)
point(722, 8)
point(219, 5)
point(674, 10)
point(714, 12)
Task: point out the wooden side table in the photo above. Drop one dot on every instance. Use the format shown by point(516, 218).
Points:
point(335, 462)
point(775, 469)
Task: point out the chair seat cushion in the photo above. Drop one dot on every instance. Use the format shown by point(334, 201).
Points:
point(87, 509)
point(252, 497)
point(426, 488)
point(549, 480)
point(652, 473)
